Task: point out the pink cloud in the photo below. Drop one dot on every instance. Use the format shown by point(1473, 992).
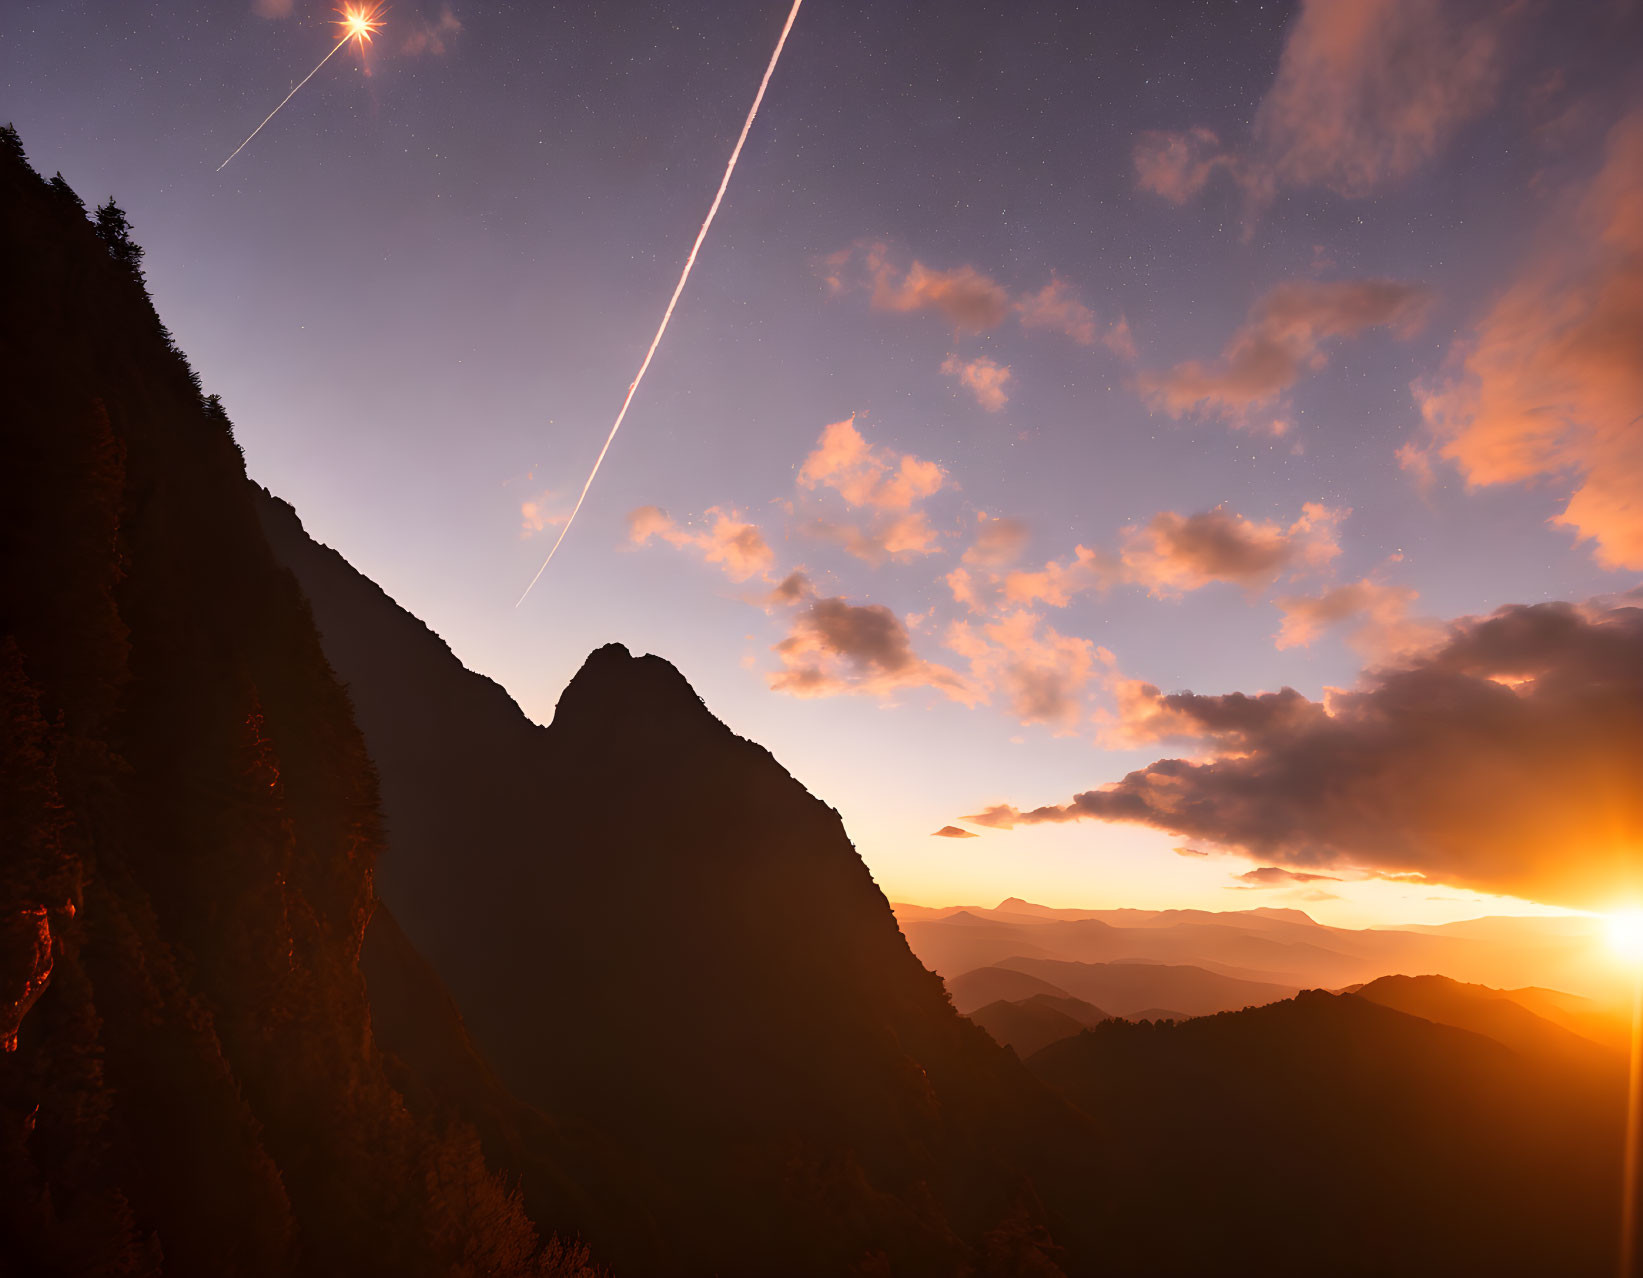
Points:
point(1055, 308)
point(984, 378)
point(1041, 673)
point(1174, 553)
point(875, 478)
point(728, 541)
point(834, 647)
point(1549, 383)
point(1282, 338)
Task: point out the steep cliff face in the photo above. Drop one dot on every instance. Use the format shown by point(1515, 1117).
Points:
point(653, 929)
point(189, 824)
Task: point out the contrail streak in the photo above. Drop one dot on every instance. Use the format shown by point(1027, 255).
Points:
point(287, 98)
point(679, 288)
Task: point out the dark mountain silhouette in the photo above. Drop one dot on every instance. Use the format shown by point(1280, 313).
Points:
point(655, 933)
point(188, 829)
point(1327, 1134)
point(1036, 1022)
point(1127, 989)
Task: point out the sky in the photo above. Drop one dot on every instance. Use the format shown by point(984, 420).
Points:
point(1058, 386)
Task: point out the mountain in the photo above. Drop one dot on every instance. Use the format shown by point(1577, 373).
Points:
point(1330, 1134)
point(1496, 1014)
point(656, 934)
point(997, 984)
point(1036, 1022)
point(1281, 946)
point(190, 824)
point(1127, 989)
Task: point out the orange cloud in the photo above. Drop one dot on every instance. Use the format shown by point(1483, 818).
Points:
point(1282, 338)
point(1055, 308)
point(1174, 552)
point(876, 478)
point(1368, 91)
point(984, 378)
point(729, 541)
point(970, 300)
point(1508, 758)
point(1041, 672)
point(835, 647)
point(953, 832)
point(1178, 165)
point(534, 515)
point(1549, 385)
point(998, 541)
point(1380, 615)
point(1056, 583)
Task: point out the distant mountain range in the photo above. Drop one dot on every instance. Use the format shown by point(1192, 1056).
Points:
point(1283, 947)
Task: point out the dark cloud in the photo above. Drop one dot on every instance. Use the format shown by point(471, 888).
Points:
point(835, 646)
point(1277, 876)
point(1508, 758)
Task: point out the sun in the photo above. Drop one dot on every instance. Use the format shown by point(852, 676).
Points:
point(359, 23)
point(1626, 935)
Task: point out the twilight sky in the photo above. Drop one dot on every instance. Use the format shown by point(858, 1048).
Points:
point(1044, 361)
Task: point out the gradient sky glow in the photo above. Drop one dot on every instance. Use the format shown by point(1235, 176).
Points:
point(1171, 282)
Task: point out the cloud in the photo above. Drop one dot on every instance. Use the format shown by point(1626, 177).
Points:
point(1179, 165)
point(888, 485)
point(1056, 583)
point(1369, 91)
point(534, 516)
point(1054, 307)
point(1277, 876)
point(953, 832)
point(1185, 851)
point(835, 647)
point(1040, 672)
point(998, 541)
point(1282, 338)
point(1172, 553)
point(1549, 384)
point(1380, 616)
point(273, 8)
point(791, 589)
point(970, 300)
point(1508, 758)
point(900, 537)
point(729, 541)
point(1176, 552)
point(431, 37)
point(876, 478)
point(1144, 715)
point(1366, 93)
point(984, 378)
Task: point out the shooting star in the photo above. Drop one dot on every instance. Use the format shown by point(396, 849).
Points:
point(673, 301)
point(356, 24)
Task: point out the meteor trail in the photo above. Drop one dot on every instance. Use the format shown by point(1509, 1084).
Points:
point(357, 24)
point(679, 288)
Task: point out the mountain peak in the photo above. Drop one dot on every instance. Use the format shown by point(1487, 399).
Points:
point(614, 687)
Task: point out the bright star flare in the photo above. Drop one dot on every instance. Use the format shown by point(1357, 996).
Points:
point(673, 301)
point(358, 24)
